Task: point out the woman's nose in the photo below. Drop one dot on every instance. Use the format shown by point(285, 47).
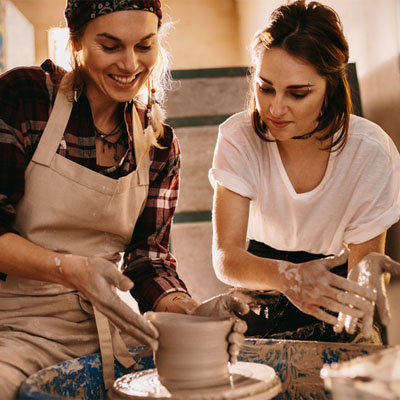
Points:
point(129, 61)
point(278, 106)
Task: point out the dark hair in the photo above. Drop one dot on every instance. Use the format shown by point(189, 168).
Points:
point(312, 32)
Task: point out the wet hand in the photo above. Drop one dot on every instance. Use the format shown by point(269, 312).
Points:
point(227, 306)
point(97, 279)
point(370, 273)
point(313, 289)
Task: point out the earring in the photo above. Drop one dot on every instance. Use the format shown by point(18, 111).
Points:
point(151, 101)
point(154, 116)
point(151, 109)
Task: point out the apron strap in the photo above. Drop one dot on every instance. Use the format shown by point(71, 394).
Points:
point(141, 155)
point(120, 349)
point(54, 130)
point(111, 344)
point(106, 349)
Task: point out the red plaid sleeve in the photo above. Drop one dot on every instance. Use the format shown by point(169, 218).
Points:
point(23, 93)
point(148, 261)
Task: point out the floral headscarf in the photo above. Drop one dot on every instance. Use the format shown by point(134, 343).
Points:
point(80, 12)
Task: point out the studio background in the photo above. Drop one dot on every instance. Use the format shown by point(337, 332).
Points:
point(213, 36)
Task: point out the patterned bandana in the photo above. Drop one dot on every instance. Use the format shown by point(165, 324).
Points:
point(79, 12)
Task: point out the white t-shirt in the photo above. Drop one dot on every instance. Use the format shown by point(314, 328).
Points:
point(357, 199)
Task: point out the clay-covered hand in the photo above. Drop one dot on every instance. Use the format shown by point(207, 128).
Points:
point(312, 288)
point(370, 272)
point(97, 279)
point(225, 305)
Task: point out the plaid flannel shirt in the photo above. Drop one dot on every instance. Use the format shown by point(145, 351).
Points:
point(26, 99)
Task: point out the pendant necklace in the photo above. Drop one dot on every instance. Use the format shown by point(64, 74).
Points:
point(103, 137)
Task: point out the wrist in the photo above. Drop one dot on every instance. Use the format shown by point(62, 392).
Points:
point(70, 269)
point(287, 276)
point(176, 302)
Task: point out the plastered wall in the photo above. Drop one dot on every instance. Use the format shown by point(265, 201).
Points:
point(204, 34)
point(18, 40)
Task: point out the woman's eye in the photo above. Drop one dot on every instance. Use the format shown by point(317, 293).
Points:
point(109, 48)
point(299, 95)
point(266, 90)
point(144, 47)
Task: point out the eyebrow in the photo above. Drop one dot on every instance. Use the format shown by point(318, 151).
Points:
point(111, 37)
point(302, 86)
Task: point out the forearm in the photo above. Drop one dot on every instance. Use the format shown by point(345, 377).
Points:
point(359, 251)
point(22, 258)
point(238, 268)
point(234, 265)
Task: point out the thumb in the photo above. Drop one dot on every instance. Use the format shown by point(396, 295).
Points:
point(237, 305)
point(125, 284)
point(382, 304)
point(116, 278)
point(335, 261)
point(392, 267)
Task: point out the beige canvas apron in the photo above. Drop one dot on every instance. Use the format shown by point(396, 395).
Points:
point(72, 210)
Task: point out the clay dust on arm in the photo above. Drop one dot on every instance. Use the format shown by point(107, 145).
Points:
point(312, 288)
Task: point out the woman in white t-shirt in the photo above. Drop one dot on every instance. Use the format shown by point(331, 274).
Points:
point(299, 180)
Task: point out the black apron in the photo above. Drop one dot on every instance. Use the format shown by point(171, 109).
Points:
point(278, 318)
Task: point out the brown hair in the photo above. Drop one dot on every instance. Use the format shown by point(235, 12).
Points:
point(312, 32)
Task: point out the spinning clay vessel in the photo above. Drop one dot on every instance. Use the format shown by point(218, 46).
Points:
point(193, 350)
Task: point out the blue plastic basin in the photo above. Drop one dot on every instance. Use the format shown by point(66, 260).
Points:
point(297, 364)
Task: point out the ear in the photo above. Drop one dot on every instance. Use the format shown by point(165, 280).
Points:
point(77, 44)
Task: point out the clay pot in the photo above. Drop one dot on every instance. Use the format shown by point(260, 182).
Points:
point(193, 351)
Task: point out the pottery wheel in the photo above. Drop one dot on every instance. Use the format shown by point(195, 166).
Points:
point(250, 381)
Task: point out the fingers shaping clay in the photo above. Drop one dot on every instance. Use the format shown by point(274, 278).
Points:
point(192, 364)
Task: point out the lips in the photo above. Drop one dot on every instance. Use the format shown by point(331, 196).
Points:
point(124, 80)
point(279, 124)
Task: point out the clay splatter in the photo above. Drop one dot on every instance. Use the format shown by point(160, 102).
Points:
point(290, 272)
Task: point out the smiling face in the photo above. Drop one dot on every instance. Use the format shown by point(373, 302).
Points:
point(117, 53)
point(289, 94)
